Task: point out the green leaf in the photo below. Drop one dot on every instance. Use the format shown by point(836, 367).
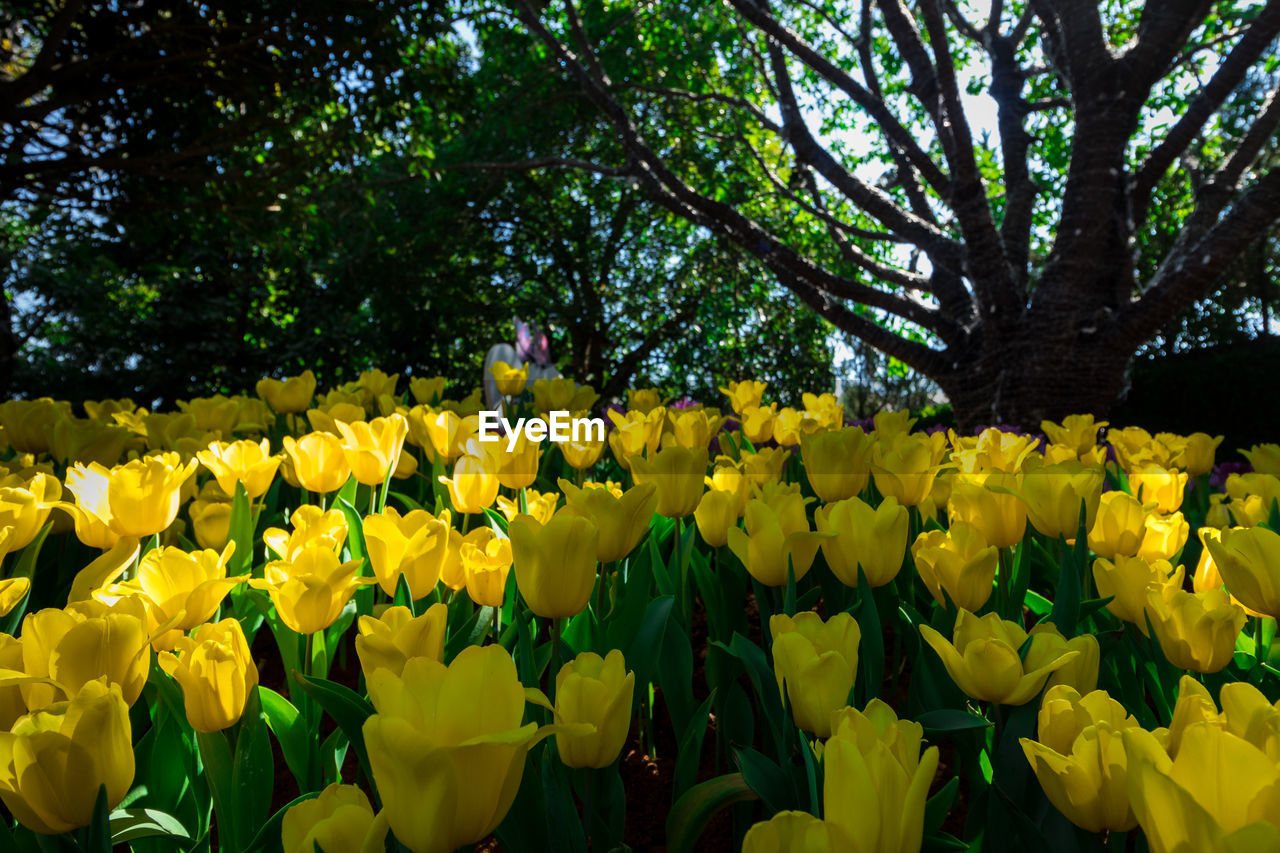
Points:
point(134, 824)
point(770, 781)
point(26, 565)
point(951, 720)
point(98, 835)
point(347, 708)
point(268, 837)
point(291, 733)
point(215, 755)
point(691, 813)
point(689, 750)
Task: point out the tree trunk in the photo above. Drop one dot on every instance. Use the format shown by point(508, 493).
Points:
point(1026, 381)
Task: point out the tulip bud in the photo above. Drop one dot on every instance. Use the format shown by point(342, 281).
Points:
point(340, 819)
point(877, 779)
point(389, 641)
point(487, 562)
point(988, 501)
point(446, 747)
point(1054, 493)
point(1163, 536)
point(510, 380)
point(958, 561)
point(474, 484)
point(838, 463)
point(1126, 582)
point(373, 448)
point(289, 396)
point(815, 663)
point(247, 462)
point(716, 513)
point(319, 462)
point(791, 830)
point(216, 672)
point(555, 563)
point(1080, 759)
point(63, 754)
point(595, 690)
point(678, 474)
point(1118, 527)
point(1196, 630)
point(775, 534)
point(875, 539)
point(904, 465)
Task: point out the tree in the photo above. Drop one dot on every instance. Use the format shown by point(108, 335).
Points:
point(999, 264)
point(116, 103)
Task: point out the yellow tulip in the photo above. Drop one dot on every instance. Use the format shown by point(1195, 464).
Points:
point(875, 539)
point(1163, 536)
point(1165, 487)
point(288, 396)
point(1079, 432)
point(487, 563)
point(1252, 497)
point(87, 641)
point(717, 512)
point(983, 658)
point(693, 429)
point(1265, 458)
point(644, 399)
point(510, 380)
point(216, 672)
point(396, 636)
point(790, 831)
point(28, 424)
point(757, 422)
point(877, 779)
point(1248, 560)
point(1196, 630)
point(210, 515)
point(635, 433)
point(182, 589)
point(773, 536)
point(992, 450)
point(984, 501)
point(562, 395)
point(1054, 493)
point(790, 426)
point(1080, 760)
point(815, 663)
point(958, 561)
point(54, 760)
point(541, 505)
point(1118, 527)
point(905, 465)
point(678, 474)
point(838, 463)
point(25, 508)
point(413, 545)
point(12, 705)
point(310, 525)
point(555, 563)
point(622, 521)
point(447, 747)
point(139, 498)
point(598, 691)
point(76, 440)
point(319, 462)
point(1198, 455)
point(340, 820)
point(581, 455)
point(310, 590)
point(373, 448)
point(427, 389)
point(518, 468)
point(826, 408)
point(1126, 581)
point(474, 484)
point(1219, 793)
point(1081, 672)
point(765, 465)
point(744, 395)
point(447, 434)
